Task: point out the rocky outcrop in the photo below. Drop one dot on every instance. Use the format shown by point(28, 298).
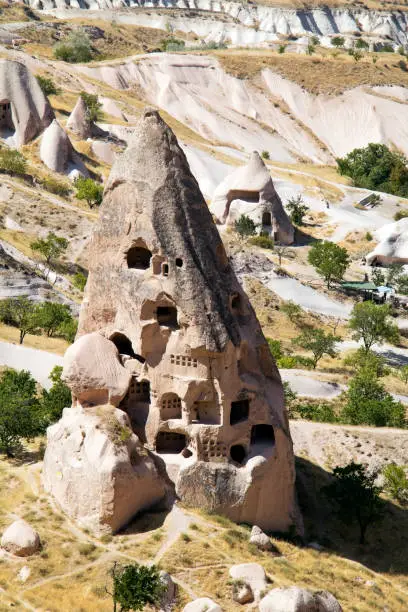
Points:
point(57, 152)
point(251, 575)
point(204, 395)
point(20, 539)
point(249, 191)
point(24, 110)
point(260, 539)
point(392, 246)
point(97, 470)
point(296, 599)
point(204, 604)
point(78, 121)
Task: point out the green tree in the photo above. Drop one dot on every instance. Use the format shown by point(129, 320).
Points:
point(79, 280)
point(93, 106)
point(275, 348)
point(21, 313)
point(297, 209)
point(329, 260)
point(20, 415)
point(89, 190)
point(292, 310)
point(376, 167)
point(338, 41)
point(68, 329)
point(12, 162)
point(135, 586)
point(396, 482)
point(245, 227)
point(318, 343)
point(75, 48)
point(56, 399)
point(356, 495)
point(377, 277)
point(50, 316)
point(48, 86)
point(371, 323)
point(361, 44)
point(50, 248)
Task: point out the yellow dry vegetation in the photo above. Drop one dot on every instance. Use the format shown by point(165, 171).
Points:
point(313, 183)
point(52, 345)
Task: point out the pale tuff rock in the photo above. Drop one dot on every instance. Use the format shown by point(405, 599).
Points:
point(24, 110)
point(20, 539)
point(205, 394)
point(93, 371)
point(242, 593)
point(204, 604)
point(78, 121)
point(169, 592)
point(260, 539)
point(97, 470)
point(57, 152)
point(249, 191)
point(393, 244)
point(296, 599)
point(252, 575)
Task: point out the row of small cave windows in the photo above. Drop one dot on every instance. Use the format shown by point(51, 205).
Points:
point(175, 443)
point(139, 258)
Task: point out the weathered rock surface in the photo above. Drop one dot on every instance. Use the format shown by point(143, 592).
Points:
point(169, 592)
point(205, 394)
point(242, 593)
point(24, 110)
point(296, 599)
point(392, 246)
point(20, 539)
point(249, 191)
point(78, 121)
point(97, 469)
point(55, 148)
point(93, 371)
point(204, 604)
point(250, 574)
point(260, 539)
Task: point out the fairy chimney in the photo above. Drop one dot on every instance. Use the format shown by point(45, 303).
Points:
point(204, 394)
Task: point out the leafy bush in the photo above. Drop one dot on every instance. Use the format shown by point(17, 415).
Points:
point(282, 49)
point(400, 214)
point(275, 348)
point(320, 413)
point(12, 162)
point(48, 86)
point(55, 186)
point(89, 190)
point(245, 227)
point(297, 209)
point(292, 310)
point(93, 106)
point(263, 241)
point(376, 167)
point(135, 586)
point(56, 399)
point(368, 236)
point(75, 48)
point(172, 44)
point(79, 281)
point(361, 44)
point(287, 362)
point(338, 41)
point(386, 48)
point(265, 154)
point(396, 482)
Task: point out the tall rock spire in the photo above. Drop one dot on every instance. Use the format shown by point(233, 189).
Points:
point(204, 391)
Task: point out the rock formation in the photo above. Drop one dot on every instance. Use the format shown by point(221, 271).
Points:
point(296, 599)
point(78, 121)
point(249, 191)
point(20, 539)
point(24, 110)
point(252, 575)
point(392, 246)
point(204, 395)
point(57, 152)
point(203, 604)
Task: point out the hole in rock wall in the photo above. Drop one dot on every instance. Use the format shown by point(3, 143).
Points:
point(165, 269)
point(141, 391)
point(123, 344)
point(262, 434)
point(267, 219)
point(179, 262)
point(6, 120)
point(170, 406)
point(170, 442)
point(236, 303)
point(167, 316)
point(138, 258)
point(206, 412)
point(239, 411)
point(238, 453)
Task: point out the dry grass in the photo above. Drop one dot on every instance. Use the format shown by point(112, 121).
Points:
point(52, 345)
point(19, 240)
point(321, 74)
point(314, 184)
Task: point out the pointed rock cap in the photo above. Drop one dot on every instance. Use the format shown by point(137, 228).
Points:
point(78, 121)
point(55, 148)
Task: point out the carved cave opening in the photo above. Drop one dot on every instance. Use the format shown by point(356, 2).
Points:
point(179, 262)
point(7, 127)
point(123, 344)
point(267, 219)
point(138, 258)
point(169, 442)
point(170, 406)
point(262, 434)
point(238, 453)
point(167, 316)
point(239, 411)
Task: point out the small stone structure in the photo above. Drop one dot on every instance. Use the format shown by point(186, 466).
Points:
point(250, 191)
point(168, 335)
point(24, 110)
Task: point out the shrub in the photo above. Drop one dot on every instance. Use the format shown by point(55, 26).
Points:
point(275, 347)
point(292, 310)
point(245, 227)
point(12, 162)
point(297, 209)
point(263, 241)
point(56, 399)
point(136, 586)
point(361, 44)
point(265, 155)
point(282, 49)
point(396, 482)
point(93, 106)
point(338, 41)
point(400, 214)
point(75, 48)
point(79, 281)
point(320, 413)
point(386, 48)
point(172, 44)
point(287, 362)
point(55, 186)
point(368, 236)
point(48, 86)
point(315, 40)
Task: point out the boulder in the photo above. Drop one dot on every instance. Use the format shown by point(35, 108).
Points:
point(249, 190)
point(25, 111)
point(242, 593)
point(20, 539)
point(296, 599)
point(204, 604)
point(78, 121)
point(169, 592)
point(93, 371)
point(250, 574)
point(260, 539)
point(97, 469)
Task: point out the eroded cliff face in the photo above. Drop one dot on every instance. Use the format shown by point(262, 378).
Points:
point(183, 353)
point(254, 23)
